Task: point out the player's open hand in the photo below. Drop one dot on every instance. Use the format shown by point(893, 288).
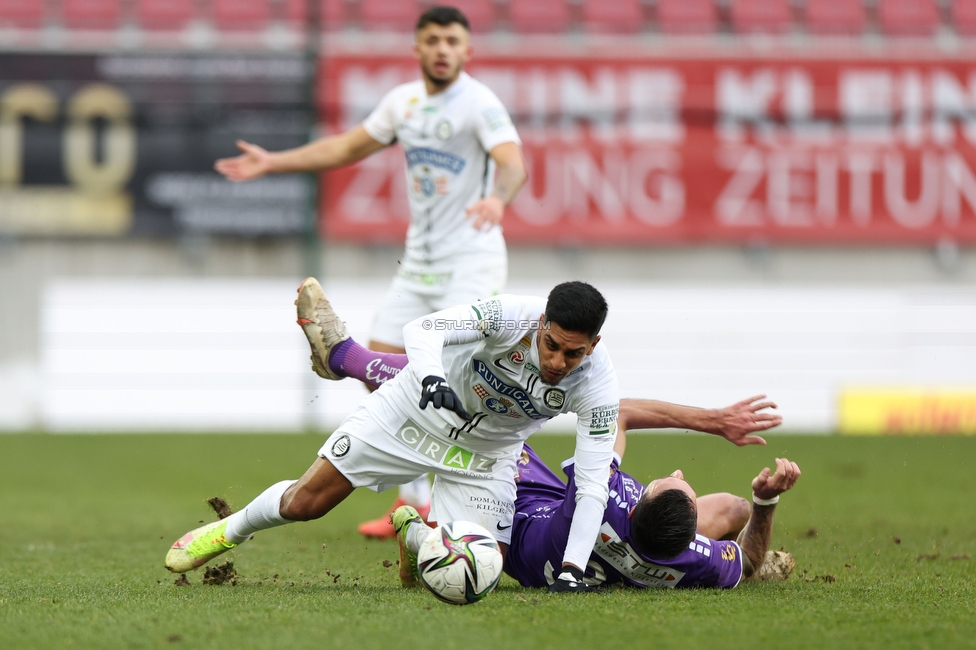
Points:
point(253, 163)
point(436, 391)
point(743, 418)
point(766, 486)
point(486, 213)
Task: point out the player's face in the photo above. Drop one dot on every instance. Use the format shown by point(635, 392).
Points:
point(442, 51)
point(561, 351)
point(675, 481)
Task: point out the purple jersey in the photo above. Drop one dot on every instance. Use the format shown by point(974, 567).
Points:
point(544, 512)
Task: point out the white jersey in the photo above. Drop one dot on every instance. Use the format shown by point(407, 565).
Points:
point(446, 138)
point(488, 352)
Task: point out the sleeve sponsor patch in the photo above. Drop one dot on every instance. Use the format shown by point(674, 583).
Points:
point(489, 316)
point(496, 118)
point(603, 420)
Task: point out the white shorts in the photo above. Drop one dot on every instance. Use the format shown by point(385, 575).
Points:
point(368, 456)
point(412, 295)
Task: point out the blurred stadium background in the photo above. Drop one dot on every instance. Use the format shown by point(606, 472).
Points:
point(777, 196)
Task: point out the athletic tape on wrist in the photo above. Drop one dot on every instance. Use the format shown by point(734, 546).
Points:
point(765, 502)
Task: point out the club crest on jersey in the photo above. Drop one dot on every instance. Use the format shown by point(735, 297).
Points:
point(428, 185)
point(497, 405)
point(443, 130)
point(554, 398)
point(341, 446)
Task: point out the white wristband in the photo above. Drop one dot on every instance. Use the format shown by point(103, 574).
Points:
point(765, 502)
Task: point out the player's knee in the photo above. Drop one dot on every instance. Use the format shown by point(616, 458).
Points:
point(739, 512)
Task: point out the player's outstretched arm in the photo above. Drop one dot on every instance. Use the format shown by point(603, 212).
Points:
point(322, 154)
point(735, 423)
point(766, 488)
point(509, 178)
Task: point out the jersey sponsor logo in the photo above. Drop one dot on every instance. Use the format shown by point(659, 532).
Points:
point(443, 130)
point(631, 565)
point(341, 446)
point(496, 118)
point(728, 553)
point(516, 393)
point(603, 419)
point(554, 399)
point(531, 367)
point(489, 315)
point(434, 158)
point(453, 457)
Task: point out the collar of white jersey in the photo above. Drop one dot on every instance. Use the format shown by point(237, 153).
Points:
point(452, 91)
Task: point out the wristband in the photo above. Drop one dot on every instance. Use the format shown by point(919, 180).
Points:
point(765, 502)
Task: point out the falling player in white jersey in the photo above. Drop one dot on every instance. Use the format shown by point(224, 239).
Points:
point(516, 361)
point(464, 166)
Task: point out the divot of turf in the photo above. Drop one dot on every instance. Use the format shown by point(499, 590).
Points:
point(221, 507)
point(221, 574)
point(182, 581)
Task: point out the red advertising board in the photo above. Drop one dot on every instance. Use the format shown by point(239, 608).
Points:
point(629, 150)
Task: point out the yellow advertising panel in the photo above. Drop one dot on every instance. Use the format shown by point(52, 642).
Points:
point(907, 411)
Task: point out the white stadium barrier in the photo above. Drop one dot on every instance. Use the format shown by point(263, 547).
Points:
point(131, 355)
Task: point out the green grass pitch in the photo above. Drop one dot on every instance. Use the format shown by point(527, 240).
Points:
point(883, 531)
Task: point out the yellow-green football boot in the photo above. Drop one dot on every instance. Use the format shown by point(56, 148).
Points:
point(401, 519)
point(198, 547)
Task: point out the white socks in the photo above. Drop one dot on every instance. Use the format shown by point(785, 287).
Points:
point(262, 513)
point(416, 493)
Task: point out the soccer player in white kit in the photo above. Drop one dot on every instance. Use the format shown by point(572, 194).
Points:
point(493, 373)
point(464, 165)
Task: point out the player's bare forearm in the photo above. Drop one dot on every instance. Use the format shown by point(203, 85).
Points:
point(511, 173)
point(735, 423)
point(326, 153)
point(653, 414)
point(754, 539)
point(508, 181)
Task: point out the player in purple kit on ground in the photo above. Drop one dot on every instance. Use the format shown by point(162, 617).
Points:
point(544, 507)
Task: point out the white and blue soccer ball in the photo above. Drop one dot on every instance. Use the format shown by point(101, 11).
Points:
point(460, 562)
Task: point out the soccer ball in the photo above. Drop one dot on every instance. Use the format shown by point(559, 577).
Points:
point(460, 562)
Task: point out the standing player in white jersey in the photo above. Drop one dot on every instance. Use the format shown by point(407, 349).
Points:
point(464, 165)
point(516, 362)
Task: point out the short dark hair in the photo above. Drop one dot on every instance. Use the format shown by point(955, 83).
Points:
point(663, 526)
point(443, 16)
point(577, 307)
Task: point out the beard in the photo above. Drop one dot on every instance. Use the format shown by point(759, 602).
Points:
point(441, 81)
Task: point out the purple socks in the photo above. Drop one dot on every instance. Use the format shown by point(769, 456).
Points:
point(350, 359)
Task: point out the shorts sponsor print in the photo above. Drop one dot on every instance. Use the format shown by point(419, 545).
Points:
point(453, 457)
